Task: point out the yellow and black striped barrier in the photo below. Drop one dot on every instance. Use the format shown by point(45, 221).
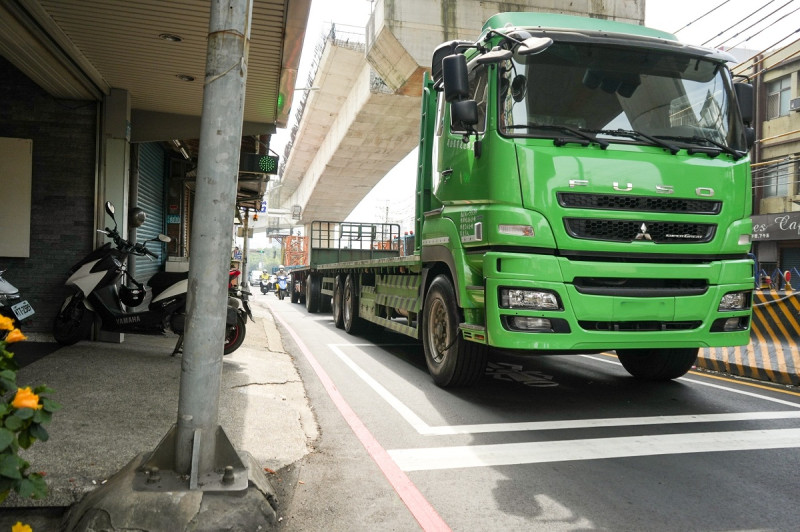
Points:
point(772, 353)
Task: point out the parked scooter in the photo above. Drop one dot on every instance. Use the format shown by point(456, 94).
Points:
point(238, 297)
point(11, 306)
point(99, 292)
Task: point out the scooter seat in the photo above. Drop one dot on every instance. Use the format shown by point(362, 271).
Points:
point(163, 280)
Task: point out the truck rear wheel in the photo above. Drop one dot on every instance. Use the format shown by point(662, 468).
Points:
point(350, 320)
point(657, 364)
point(338, 289)
point(451, 360)
point(313, 293)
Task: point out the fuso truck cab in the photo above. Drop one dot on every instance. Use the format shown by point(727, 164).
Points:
point(584, 185)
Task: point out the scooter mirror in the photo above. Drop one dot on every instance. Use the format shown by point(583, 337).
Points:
point(164, 238)
point(110, 208)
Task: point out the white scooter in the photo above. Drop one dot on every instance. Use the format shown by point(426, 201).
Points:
point(99, 291)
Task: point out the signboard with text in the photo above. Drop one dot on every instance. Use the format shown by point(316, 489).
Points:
point(778, 226)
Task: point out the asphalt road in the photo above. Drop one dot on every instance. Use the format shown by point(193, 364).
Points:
point(545, 443)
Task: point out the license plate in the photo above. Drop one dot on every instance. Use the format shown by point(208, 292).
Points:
point(22, 310)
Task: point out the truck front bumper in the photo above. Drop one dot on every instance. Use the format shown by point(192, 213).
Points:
point(592, 322)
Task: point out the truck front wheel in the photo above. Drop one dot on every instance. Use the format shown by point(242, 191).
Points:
point(451, 360)
point(657, 364)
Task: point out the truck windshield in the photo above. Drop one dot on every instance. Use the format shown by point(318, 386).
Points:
point(620, 95)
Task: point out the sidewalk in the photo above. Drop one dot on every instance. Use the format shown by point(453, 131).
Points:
point(119, 400)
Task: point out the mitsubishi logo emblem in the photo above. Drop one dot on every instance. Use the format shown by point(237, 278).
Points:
point(643, 234)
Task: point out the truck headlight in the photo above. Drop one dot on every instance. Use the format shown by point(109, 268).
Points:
point(529, 298)
point(734, 301)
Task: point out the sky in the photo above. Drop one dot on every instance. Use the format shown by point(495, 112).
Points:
point(718, 27)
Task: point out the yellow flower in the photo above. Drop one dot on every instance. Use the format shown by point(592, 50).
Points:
point(25, 398)
point(15, 336)
point(6, 323)
point(19, 527)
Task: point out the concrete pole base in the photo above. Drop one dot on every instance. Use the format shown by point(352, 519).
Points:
point(119, 505)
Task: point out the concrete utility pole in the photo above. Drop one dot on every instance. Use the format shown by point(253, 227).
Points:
point(151, 492)
point(197, 434)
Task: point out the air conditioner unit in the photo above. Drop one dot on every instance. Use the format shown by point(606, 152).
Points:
point(794, 105)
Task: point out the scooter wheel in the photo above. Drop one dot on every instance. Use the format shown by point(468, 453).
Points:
point(72, 322)
point(234, 335)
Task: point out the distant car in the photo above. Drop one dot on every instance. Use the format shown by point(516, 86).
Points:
point(255, 277)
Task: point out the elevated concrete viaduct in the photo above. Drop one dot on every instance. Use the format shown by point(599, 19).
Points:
point(364, 116)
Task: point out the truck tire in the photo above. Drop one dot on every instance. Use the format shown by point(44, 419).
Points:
point(658, 364)
point(338, 289)
point(313, 293)
point(451, 360)
point(351, 323)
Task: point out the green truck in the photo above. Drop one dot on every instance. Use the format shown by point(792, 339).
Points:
point(583, 186)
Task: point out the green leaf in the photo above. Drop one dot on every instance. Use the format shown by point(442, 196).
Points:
point(6, 437)
point(39, 390)
point(8, 374)
point(13, 423)
point(10, 466)
point(24, 439)
point(39, 432)
point(24, 413)
point(39, 486)
point(42, 416)
point(8, 385)
point(25, 488)
point(50, 405)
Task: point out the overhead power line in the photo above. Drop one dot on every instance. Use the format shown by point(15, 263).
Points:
point(701, 16)
point(745, 18)
point(744, 65)
point(761, 30)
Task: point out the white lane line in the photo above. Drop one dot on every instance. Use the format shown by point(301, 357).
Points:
point(424, 429)
point(591, 449)
point(711, 385)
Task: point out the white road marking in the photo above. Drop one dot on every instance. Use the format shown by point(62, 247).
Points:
point(591, 449)
point(424, 429)
point(711, 385)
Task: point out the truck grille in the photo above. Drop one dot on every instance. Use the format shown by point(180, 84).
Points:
point(631, 231)
point(613, 202)
point(639, 326)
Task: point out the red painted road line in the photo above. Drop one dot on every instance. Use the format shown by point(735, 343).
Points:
point(420, 508)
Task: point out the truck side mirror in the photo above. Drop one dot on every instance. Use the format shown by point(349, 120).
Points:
point(744, 95)
point(464, 114)
point(456, 80)
point(442, 51)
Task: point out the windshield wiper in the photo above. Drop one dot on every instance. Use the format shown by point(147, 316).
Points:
point(724, 148)
point(638, 135)
point(564, 129)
